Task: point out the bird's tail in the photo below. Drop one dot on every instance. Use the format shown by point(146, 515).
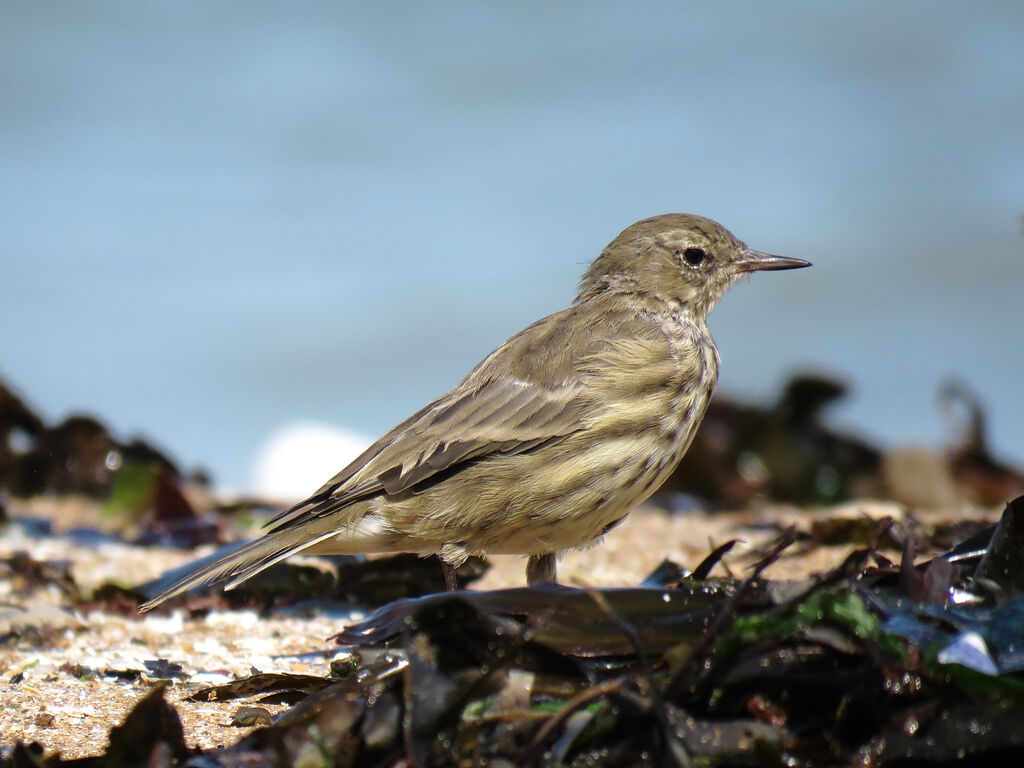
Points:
point(249, 559)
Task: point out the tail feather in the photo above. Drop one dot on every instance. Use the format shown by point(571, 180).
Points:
point(246, 561)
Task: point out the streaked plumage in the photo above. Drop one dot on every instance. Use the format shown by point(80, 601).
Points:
point(554, 437)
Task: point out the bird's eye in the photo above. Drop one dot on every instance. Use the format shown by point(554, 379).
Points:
point(695, 256)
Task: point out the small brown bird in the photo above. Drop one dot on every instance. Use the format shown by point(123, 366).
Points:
point(553, 438)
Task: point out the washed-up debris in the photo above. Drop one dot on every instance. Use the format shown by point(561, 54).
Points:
point(324, 582)
point(151, 735)
point(827, 672)
point(783, 452)
point(25, 573)
point(983, 478)
point(262, 683)
point(32, 623)
point(786, 452)
point(79, 455)
point(164, 669)
point(373, 582)
point(19, 427)
point(907, 663)
point(889, 659)
point(245, 717)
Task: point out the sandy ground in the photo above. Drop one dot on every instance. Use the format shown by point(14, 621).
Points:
point(67, 684)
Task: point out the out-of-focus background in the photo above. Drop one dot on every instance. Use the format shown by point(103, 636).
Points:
point(217, 220)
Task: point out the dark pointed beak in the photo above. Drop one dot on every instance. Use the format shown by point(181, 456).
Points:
point(755, 261)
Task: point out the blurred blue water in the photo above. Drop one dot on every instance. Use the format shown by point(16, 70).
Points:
point(216, 218)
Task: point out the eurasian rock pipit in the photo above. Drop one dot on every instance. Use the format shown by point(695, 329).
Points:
point(553, 438)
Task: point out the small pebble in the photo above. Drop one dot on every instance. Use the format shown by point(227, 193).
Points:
point(246, 716)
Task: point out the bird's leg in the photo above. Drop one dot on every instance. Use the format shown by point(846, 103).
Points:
point(450, 582)
point(541, 569)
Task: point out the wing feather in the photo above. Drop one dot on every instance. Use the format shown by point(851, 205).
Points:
point(502, 406)
point(532, 390)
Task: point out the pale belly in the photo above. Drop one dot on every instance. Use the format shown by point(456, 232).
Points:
point(536, 513)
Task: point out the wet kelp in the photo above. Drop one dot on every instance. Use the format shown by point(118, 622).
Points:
point(874, 663)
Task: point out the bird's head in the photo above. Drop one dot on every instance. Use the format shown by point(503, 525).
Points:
point(677, 258)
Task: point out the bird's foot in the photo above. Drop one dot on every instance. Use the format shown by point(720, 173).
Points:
point(541, 569)
point(451, 583)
